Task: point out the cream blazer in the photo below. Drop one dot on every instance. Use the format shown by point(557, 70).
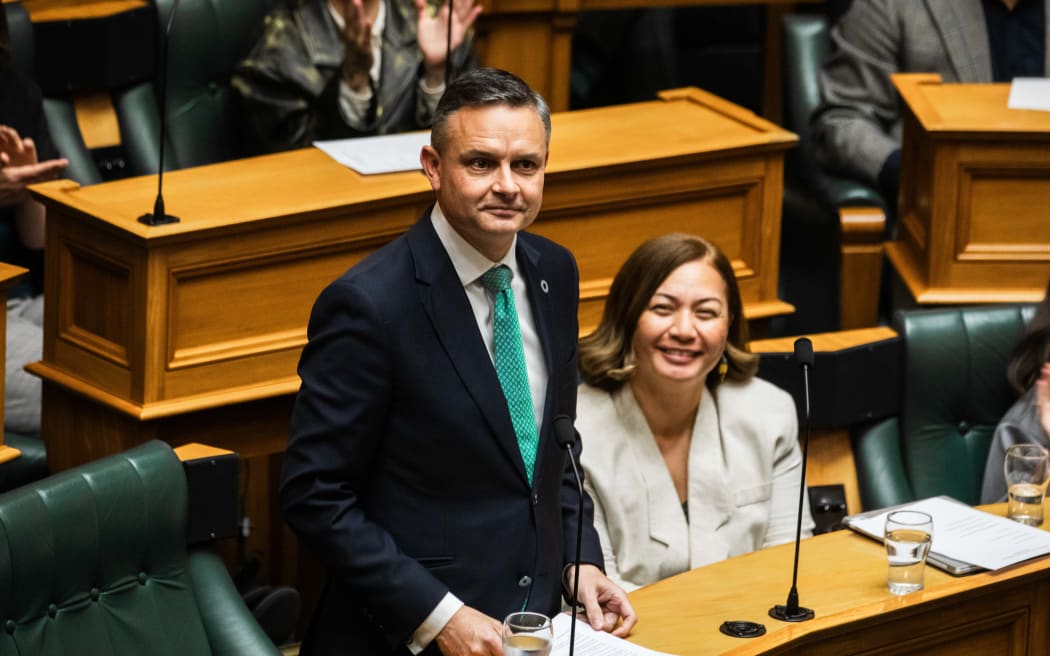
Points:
point(744, 473)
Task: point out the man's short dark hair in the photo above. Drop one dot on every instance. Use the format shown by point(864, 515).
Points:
point(481, 87)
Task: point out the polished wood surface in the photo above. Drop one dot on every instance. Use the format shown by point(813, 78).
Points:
point(68, 10)
point(860, 265)
point(831, 459)
point(192, 331)
point(9, 275)
point(842, 578)
point(974, 181)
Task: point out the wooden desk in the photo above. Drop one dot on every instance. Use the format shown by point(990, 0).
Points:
point(975, 176)
point(842, 577)
point(192, 331)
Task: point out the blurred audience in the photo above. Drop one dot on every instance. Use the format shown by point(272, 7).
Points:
point(689, 458)
point(330, 69)
point(26, 156)
point(857, 127)
point(1028, 420)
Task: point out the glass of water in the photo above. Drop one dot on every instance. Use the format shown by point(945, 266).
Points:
point(527, 634)
point(909, 534)
point(1026, 468)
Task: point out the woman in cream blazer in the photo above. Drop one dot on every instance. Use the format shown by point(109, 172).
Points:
point(689, 459)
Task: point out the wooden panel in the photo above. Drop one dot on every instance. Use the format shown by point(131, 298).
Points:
point(974, 176)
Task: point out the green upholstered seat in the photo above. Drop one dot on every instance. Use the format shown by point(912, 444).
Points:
point(953, 391)
point(28, 467)
point(93, 561)
point(208, 40)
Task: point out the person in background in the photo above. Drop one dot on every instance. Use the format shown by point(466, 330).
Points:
point(422, 468)
point(689, 458)
point(857, 128)
point(331, 69)
point(1028, 419)
point(26, 157)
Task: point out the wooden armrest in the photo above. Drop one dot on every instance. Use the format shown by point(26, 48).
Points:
point(863, 230)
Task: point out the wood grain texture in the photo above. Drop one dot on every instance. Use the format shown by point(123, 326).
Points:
point(842, 577)
point(974, 226)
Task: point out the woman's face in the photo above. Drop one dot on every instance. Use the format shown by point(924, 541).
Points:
point(682, 332)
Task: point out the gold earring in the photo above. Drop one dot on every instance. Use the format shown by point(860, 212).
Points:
point(723, 368)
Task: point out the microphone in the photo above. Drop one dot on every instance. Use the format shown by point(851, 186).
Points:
point(448, 47)
point(565, 434)
point(159, 216)
point(791, 611)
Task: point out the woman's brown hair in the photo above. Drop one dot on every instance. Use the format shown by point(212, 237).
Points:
point(604, 354)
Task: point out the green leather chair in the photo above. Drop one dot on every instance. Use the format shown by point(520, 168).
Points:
point(953, 391)
point(208, 40)
point(811, 233)
point(93, 561)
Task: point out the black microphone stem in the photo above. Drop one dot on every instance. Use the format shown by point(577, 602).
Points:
point(159, 216)
point(792, 601)
point(448, 47)
point(579, 538)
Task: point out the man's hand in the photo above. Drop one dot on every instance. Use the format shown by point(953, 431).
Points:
point(1042, 398)
point(470, 633)
point(604, 601)
point(19, 167)
point(432, 34)
point(357, 41)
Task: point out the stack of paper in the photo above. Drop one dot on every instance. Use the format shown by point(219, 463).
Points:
point(965, 534)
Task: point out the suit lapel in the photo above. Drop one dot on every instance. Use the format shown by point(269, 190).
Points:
point(446, 304)
point(709, 502)
point(965, 37)
point(540, 302)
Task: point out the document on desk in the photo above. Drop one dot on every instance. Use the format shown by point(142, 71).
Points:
point(963, 533)
point(1029, 93)
point(593, 643)
point(388, 153)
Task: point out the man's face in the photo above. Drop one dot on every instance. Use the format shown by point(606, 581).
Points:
point(489, 177)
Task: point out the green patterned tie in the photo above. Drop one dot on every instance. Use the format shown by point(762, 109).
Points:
point(510, 362)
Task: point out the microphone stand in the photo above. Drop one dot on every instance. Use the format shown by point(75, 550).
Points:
point(791, 611)
point(159, 216)
point(566, 434)
point(448, 47)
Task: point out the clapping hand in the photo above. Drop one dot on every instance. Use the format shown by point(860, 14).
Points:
point(432, 33)
point(357, 40)
point(19, 167)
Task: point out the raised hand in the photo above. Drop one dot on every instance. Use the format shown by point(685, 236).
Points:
point(432, 33)
point(357, 41)
point(19, 166)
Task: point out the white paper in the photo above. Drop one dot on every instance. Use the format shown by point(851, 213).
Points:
point(593, 643)
point(1030, 93)
point(388, 153)
point(970, 535)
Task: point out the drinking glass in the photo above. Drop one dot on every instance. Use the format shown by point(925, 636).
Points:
point(1026, 469)
point(908, 537)
point(527, 634)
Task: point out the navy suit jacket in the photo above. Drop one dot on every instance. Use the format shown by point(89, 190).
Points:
point(403, 472)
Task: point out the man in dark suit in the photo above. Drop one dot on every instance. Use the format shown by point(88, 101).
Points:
point(422, 468)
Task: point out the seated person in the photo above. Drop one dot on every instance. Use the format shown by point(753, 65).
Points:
point(26, 156)
point(689, 459)
point(1028, 420)
point(857, 128)
point(330, 69)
